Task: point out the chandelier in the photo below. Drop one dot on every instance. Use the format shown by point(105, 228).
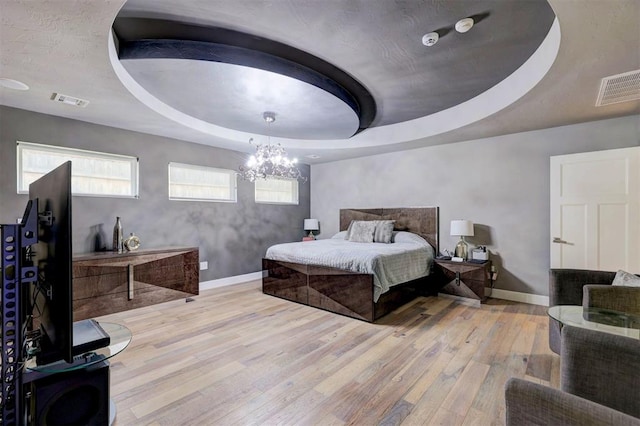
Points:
point(270, 160)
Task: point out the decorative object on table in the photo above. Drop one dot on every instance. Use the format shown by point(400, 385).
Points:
point(311, 225)
point(462, 228)
point(132, 242)
point(446, 256)
point(99, 238)
point(270, 160)
point(117, 236)
point(480, 253)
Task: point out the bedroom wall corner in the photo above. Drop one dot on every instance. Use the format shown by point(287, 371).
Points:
point(504, 190)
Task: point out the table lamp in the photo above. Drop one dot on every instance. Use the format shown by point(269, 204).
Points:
point(311, 225)
point(462, 228)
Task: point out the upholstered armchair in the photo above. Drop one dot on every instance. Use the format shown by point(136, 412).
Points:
point(589, 289)
point(599, 376)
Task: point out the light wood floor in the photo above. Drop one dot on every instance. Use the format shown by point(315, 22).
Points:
point(236, 356)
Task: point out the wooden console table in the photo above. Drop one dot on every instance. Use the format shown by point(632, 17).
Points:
point(108, 282)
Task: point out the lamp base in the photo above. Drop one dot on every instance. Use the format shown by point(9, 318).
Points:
point(311, 235)
point(462, 249)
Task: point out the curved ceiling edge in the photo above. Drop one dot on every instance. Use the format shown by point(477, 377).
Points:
point(163, 109)
point(146, 38)
point(493, 100)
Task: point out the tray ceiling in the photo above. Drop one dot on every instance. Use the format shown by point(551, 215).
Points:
point(494, 79)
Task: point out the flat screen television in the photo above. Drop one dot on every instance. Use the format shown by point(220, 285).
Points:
point(52, 295)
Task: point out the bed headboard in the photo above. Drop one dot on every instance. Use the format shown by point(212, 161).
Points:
point(419, 220)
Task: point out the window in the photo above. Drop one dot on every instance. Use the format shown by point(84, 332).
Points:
point(199, 183)
point(92, 173)
point(275, 190)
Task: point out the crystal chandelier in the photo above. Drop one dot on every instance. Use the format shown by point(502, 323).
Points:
point(270, 160)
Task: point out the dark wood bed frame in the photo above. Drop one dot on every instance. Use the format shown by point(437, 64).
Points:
point(350, 293)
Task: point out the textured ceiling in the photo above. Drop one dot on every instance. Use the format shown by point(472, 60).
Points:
point(62, 46)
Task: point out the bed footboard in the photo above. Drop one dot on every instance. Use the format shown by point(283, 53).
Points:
point(335, 290)
point(342, 292)
point(285, 280)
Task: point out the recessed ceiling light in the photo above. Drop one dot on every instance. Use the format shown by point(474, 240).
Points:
point(13, 84)
point(464, 25)
point(430, 39)
point(312, 156)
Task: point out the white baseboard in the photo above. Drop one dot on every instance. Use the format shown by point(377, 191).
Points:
point(516, 296)
point(237, 279)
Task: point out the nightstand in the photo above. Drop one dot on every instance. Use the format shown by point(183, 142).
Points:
point(463, 279)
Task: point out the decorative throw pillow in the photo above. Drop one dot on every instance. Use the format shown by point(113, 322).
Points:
point(384, 231)
point(346, 237)
point(626, 279)
point(361, 231)
point(353, 222)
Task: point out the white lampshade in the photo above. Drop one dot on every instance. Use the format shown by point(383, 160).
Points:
point(463, 228)
point(311, 225)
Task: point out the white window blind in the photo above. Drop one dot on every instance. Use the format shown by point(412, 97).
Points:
point(92, 173)
point(199, 183)
point(275, 190)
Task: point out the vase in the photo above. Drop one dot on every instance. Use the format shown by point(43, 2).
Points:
point(117, 236)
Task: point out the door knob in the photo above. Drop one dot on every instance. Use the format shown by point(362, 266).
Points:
point(559, 240)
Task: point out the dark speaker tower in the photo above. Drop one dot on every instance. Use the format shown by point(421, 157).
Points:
point(79, 397)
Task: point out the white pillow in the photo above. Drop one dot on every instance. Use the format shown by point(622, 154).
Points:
point(626, 279)
point(408, 237)
point(342, 235)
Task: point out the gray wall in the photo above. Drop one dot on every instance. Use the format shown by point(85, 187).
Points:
point(232, 237)
point(500, 183)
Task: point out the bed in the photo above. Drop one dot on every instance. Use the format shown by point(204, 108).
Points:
point(348, 290)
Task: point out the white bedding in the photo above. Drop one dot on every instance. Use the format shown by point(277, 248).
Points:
point(406, 259)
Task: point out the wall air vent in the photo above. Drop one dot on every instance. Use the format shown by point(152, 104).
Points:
point(619, 88)
point(69, 100)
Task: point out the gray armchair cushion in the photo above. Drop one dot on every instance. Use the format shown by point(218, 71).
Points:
point(565, 285)
point(616, 298)
point(601, 367)
point(600, 376)
point(565, 288)
point(530, 403)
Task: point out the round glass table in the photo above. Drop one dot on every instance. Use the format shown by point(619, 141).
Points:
point(120, 337)
point(608, 321)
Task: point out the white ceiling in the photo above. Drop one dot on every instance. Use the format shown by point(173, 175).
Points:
point(63, 46)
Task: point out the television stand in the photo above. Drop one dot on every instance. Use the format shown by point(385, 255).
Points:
point(53, 392)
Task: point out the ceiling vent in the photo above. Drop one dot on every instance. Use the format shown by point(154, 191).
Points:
point(69, 100)
point(619, 88)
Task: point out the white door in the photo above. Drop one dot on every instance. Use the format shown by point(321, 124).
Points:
point(595, 210)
